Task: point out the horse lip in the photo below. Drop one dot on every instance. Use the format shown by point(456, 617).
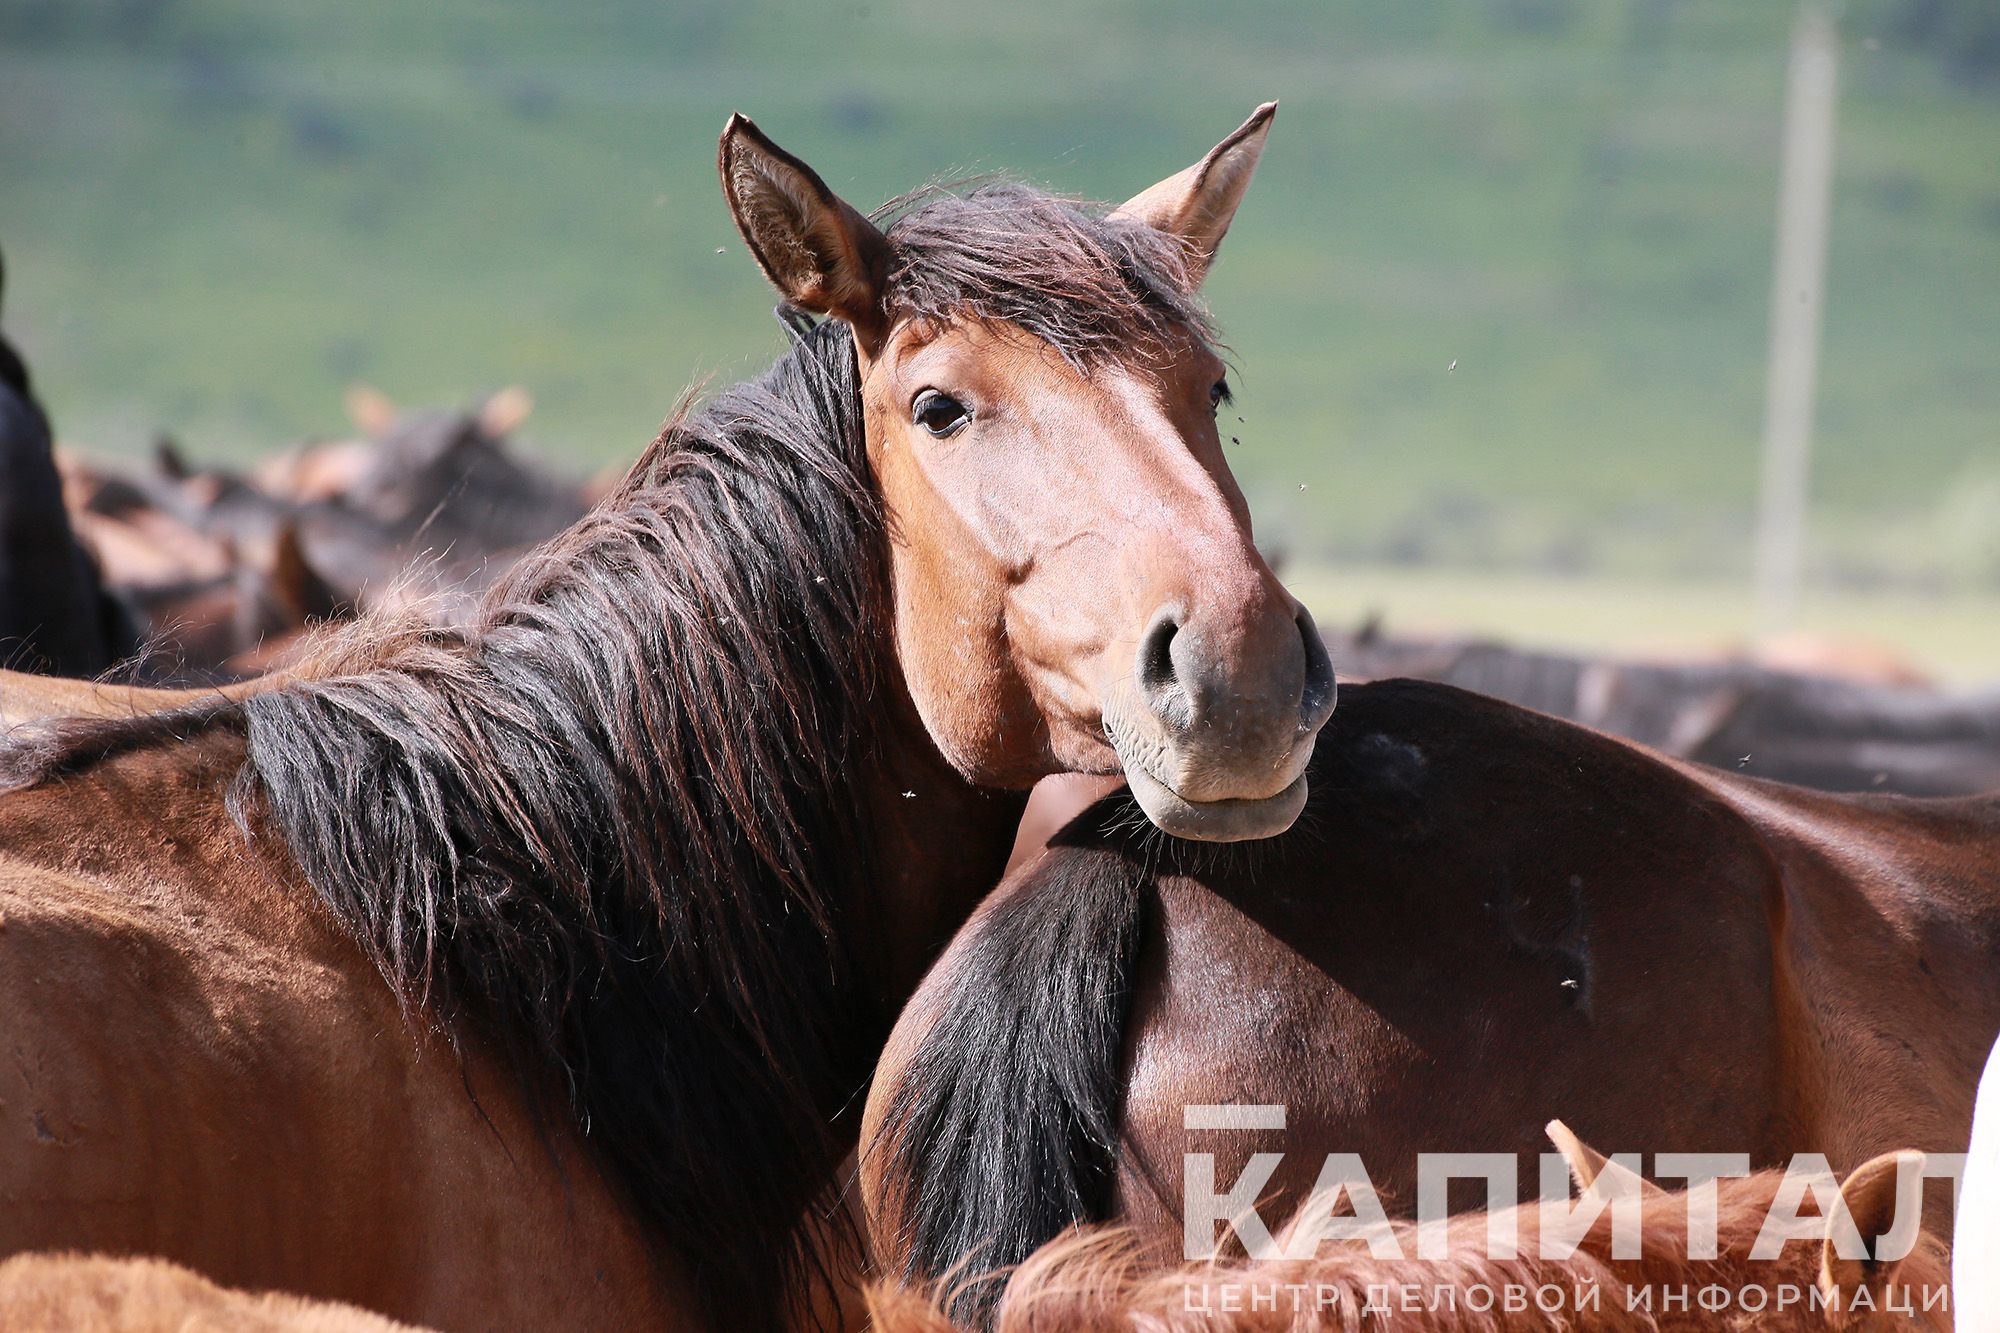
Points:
point(1239, 819)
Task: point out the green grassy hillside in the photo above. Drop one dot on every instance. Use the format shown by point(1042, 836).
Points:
point(216, 214)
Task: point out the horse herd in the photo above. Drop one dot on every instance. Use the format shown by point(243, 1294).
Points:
point(621, 948)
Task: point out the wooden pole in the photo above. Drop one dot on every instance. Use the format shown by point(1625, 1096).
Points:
point(1805, 194)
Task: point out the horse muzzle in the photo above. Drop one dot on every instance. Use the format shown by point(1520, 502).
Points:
point(1215, 739)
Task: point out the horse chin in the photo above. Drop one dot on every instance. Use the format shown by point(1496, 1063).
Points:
point(1238, 820)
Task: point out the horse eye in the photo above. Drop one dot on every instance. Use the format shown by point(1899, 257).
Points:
point(1218, 394)
point(939, 413)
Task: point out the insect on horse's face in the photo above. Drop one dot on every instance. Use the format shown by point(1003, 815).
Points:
point(1075, 583)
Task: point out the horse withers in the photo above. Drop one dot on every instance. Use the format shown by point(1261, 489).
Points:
point(527, 974)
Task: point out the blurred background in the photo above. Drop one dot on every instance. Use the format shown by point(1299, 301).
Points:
point(1500, 302)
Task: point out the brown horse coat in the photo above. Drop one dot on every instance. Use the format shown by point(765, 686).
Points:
point(1484, 918)
point(1100, 1281)
point(249, 1030)
point(94, 1294)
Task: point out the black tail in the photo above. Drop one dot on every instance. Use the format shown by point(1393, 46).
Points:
point(1004, 1129)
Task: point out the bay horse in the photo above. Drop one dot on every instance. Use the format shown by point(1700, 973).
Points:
point(1485, 917)
point(527, 974)
point(1090, 1281)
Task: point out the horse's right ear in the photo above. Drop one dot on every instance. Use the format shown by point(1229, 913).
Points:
point(1198, 204)
point(819, 253)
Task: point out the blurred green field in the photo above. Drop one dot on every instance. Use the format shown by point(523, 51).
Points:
point(1951, 637)
point(217, 214)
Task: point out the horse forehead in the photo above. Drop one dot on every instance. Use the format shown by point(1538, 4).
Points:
point(995, 347)
point(999, 355)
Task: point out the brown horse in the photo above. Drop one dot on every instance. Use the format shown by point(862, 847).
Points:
point(650, 853)
point(1577, 1279)
point(1485, 917)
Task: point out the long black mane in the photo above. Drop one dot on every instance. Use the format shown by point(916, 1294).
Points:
point(611, 828)
point(613, 824)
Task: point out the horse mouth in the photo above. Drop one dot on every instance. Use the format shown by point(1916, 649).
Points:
point(1239, 819)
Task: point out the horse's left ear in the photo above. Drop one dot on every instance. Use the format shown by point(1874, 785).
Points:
point(816, 249)
point(1873, 1227)
point(1587, 1166)
point(1197, 204)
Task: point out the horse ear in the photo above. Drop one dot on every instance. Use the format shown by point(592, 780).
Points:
point(1585, 1162)
point(1588, 1166)
point(820, 253)
point(504, 412)
point(168, 460)
point(294, 583)
point(1869, 1200)
point(1198, 204)
point(369, 409)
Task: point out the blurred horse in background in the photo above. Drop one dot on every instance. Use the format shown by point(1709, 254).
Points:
point(1836, 717)
point(53, 615)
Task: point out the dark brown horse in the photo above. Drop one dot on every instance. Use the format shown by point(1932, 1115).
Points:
point(1485, 917)
point(528, 975)
point(53, 615)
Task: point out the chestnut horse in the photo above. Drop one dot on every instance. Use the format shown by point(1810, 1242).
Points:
point(527, 975)
point(1485, 917)
point(1100, 1281)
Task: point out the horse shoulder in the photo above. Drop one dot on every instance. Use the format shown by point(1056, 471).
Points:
point(200, 1065)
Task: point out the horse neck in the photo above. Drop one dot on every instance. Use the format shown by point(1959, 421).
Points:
point(940, 843)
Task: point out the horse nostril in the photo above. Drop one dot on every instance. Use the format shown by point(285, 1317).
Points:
point(1159, 678)
point(1316, 699)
